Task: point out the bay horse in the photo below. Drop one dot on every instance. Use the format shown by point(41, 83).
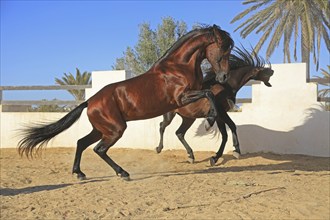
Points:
point(173, 81)
point(244, 66)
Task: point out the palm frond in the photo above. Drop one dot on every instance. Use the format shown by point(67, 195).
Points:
point(295, 40)
point(278, 33)
point(326, 75)
point(309, 20)
point(304, 19)
point(247, 11)
point(271, 21)
point(263, 39)
point(325, 35)
point(78, 79)
point(288, 31)
point(257, 20)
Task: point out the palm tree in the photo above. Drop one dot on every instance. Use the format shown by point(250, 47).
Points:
point(80, 79)
point(285, 19)
point(326, 77)
point(325, 93)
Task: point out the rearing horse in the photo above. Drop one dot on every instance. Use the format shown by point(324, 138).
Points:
point(173, 81)
point(244, 66)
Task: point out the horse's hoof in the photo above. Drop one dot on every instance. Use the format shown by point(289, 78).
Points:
point(236, 154)
point(191, 160)
point(124, 175)
point(158, 150)
point(80, 176)
point(126, 178)
point(212, 161)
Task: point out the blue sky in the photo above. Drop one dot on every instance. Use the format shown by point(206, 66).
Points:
point(41, 40)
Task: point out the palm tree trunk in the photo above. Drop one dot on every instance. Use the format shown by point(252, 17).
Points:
point(305, 58)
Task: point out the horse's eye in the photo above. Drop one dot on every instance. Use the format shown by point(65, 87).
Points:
point(219, 60)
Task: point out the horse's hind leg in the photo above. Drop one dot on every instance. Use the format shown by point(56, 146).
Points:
point(237, 151)
point(82, 144)
point(167, 119)
point(185, 125)
point(101, 149)
point(109, 139)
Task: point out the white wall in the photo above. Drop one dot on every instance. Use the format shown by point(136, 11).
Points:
point(285, 118)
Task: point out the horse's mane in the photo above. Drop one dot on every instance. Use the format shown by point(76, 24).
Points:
point(243, 57)
point(227, 41)
point(185, 37)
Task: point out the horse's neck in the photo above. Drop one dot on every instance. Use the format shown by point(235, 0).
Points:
point(191, 50)
point(239, 77)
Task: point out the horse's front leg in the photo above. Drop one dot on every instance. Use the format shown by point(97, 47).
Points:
point(213, 113)
point(192, 96)
point(222, 128)
point(167, 119)
point(225, 117)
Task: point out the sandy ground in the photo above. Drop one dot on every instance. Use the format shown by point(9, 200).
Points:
point(164, 186)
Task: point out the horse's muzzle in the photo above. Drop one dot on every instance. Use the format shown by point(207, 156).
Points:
point(221, 77)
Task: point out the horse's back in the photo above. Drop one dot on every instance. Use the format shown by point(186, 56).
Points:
point(141, 97)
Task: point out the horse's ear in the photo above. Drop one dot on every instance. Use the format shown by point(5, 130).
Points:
point(216, 27)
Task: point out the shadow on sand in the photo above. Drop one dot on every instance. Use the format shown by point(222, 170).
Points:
point(285, 164)
point(34, 189)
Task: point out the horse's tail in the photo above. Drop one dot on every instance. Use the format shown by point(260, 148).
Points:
point(201, 131)
point(40, 134)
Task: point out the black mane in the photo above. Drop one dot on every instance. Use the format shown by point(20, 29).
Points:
point(227, 41)
point(242, 57)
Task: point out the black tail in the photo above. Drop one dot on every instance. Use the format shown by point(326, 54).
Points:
point(214, 131)
point(40, 134)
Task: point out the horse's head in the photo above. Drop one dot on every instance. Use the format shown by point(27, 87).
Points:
point(246, 65)
point(218, 52)
point(263, 74)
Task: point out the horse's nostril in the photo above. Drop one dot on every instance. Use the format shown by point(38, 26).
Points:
point(221, 77)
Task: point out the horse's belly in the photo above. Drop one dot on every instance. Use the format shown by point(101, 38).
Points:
point(198, 109)
point(148, 108)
